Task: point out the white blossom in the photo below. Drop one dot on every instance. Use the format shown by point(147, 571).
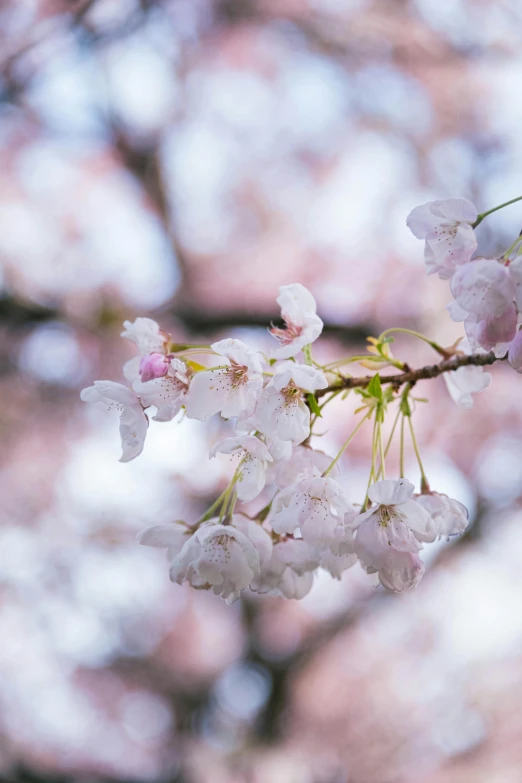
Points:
point(302, 324)
point(395, 525)
point(465, 382)
point(146, 336)
point(218, 557)
point(316, 507)
point(337, 564)
point(289, 572)
point(515, 270)
point(232, 389)
point(170, 537)
point(492, 333)
point(450, 517)
point(133, 421)
point(483, 287)
point(446, 227)
point(254, 458)
point(167, 393)
point(281, 410)
point(304, 462)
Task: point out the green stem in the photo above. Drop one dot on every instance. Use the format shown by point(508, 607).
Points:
point(482, 215)
point(417, 453)
point(346, 443)
point(436, 347)
point(512, 247)
point(392, 433)
point(382, 469)
point(215, 505)
point(401, 449)
point(307, 353)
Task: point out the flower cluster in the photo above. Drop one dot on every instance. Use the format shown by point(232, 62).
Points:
point(487, 291)
point(309, 522)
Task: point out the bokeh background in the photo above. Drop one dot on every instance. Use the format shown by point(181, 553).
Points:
point(182, 159)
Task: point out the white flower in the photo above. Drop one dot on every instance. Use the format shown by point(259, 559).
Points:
point(254, 457)
point(465, 382)
point(217, 557)
point(483, 287)
point(450, 517)
point(146, 336)
point(232, 390)
point(317, 507)
point(401, 571)
point(446, 227)
point(302, 324)
point(281, 411)
point(337, 564)
point(170, 537)
point(303, 463)
point(289, 572)
point(394, 526)
point(492, 333)
point(168, 393)
point(133, 421)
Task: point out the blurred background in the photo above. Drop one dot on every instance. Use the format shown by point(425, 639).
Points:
point(182, 159)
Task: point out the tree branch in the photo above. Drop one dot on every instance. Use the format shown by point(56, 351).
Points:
point(412, 376)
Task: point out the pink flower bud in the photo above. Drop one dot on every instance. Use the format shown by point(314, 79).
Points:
point(515, 352)
point(153, 365)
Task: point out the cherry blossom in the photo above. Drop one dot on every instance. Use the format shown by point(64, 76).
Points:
point(289, 572)
point(450, 517)
point(281, 410)
point(302, 324)
point(303, 462)
point(484, 288)
point(146, 336)
point(218, 557)
point(493, 333)
point(515, 270)
point(170, 537)
point(166, 393)
point(232, 388)
point(254, 458)
point(447, 227)
point(463, 383)
point(396, 525)
point(317, 507)
point(133, 421)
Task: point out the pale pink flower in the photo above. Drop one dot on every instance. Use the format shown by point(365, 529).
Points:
point(289, 572)
point(515, 270)
point(303, 463)
point(281, 411)
point(146, 336)
point(484, 288)
point(302, 324)
point(395, 525)
point(446, 227)
point(465, 382)
point(218, 557)
point(493, 333)
point(231, 389)
point(254, 457)
point(450, 518)
point(170, 537)
point(133, 421)
point(167, 393)
point(336, 565)
point(317, 507)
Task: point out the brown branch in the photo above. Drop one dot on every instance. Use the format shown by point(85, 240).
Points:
point(412, 376)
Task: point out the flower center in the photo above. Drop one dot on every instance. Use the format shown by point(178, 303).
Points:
point(287, 334)
point(290, 394)
point(238, 375)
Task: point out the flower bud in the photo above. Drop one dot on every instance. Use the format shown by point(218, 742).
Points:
point(153, 365)
point(515, 352)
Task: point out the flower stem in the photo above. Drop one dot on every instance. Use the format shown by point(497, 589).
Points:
point(482, 215)
point(417, 453)
point(382, 469)
point(392, 433)
point(346, 443)
point(401, 449)
point(436, 347)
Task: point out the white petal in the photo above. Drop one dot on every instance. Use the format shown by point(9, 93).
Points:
point(390, 492)
point(207, 393)
point(133, 429)
point(401, 571)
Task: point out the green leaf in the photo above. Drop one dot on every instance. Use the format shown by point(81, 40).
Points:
point(313, 404)
point(405, 406)
point(375, 388)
